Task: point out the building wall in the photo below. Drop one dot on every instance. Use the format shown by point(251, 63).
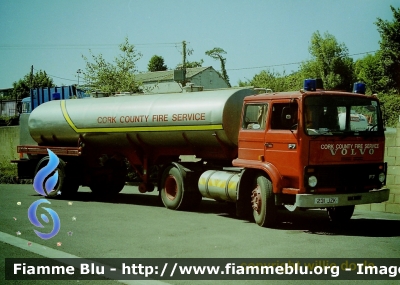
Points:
point(392, 157)
point(209, 79)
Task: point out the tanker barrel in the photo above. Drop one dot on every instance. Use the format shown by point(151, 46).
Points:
point(177, 120)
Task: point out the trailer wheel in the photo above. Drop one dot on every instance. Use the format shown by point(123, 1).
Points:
point(263, 202)
point(104, 184)
point(172, 188)
point(109, 179)
point(66, 185)
point(340, 214)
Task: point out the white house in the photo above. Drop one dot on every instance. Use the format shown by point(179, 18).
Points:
point(163, 81)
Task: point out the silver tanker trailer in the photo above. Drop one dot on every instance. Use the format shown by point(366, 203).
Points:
point(96, 138)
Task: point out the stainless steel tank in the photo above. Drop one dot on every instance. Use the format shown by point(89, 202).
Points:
point(176, 120)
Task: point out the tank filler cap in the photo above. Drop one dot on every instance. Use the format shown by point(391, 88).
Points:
point(359, 87)
point(310, 85)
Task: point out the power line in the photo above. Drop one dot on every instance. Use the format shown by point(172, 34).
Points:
point(232, 69)
point(77, 46)
point(265, 66)
point(55, 76)
point(283, 64)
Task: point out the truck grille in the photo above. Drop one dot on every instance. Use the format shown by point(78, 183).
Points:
point(346, 178)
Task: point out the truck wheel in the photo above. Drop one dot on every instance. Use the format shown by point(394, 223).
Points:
point(263, 202)
point(103, 185)
point(110, 179)
point(172, 188)
point(340, 214)
point(66, 184)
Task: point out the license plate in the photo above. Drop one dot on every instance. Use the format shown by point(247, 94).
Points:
point(331, 200)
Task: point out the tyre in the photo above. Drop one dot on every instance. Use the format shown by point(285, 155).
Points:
point(263, 202)
point(340, 214)
point(172, 191)
point(103, 186)
point(178, 190)
point(107, 184)
point(109, 179)
point(66, 185)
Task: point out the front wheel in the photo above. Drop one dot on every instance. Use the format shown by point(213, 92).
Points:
point(340, 214)
point(263, 202)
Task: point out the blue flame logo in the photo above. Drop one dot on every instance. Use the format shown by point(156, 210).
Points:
point(32, 217)
point(44, 172)
point(38, 181)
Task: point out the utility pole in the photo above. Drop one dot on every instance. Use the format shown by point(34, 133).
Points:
point(183, 55)
point(31, 77)
point(79, 72)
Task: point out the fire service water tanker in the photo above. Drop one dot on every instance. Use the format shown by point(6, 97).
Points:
point(183, 120)
point(299, 149)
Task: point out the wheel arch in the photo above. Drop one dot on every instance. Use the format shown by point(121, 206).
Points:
point(248, 175)
point(268, 170)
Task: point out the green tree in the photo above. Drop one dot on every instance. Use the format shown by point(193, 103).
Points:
point(193, 64)
point(276, 81)
point(330, 62)
point(216, 53)
point(118, 76)
point(391, 108)
point(156, 63)
point(36, 80)
point(390, 48)
point(370, 70)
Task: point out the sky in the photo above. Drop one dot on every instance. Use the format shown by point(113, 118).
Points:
point(256, 34)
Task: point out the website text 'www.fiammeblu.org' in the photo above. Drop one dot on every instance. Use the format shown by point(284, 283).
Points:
point(202, 269)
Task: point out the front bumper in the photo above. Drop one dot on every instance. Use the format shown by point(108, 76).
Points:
point(317, 200)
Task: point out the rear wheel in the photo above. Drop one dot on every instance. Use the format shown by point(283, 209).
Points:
point(340, 214)
point(106, 185)
point(110, 179)
point(175, 194)
point(172, 188)
point(263, 202)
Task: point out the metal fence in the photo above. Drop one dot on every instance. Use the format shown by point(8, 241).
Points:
point(8, 108)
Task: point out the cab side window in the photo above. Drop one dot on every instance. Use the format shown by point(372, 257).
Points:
point(284, 116)
point(254, 116)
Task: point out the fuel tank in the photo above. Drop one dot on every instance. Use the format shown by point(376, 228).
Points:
point(219, 185)
point(195, 119)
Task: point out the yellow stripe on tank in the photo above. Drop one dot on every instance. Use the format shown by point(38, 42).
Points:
point(135, 129)
point(232, 185)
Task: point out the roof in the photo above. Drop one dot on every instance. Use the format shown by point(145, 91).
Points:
point(301, 93)
point(168, 75)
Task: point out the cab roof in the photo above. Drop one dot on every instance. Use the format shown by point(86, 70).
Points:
point(300, 94)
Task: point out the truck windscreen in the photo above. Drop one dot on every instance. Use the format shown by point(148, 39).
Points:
point(342, 115)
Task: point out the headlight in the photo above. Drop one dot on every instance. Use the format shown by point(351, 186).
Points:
point(382, 177)
point(312, 181)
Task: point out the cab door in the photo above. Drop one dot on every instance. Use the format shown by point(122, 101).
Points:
point(251, 136)
point(281, 141)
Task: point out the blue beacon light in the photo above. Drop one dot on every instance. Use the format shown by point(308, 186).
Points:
point(310, 85)
point(359, 88)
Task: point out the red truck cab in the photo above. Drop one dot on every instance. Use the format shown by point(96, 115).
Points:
point(316, 149)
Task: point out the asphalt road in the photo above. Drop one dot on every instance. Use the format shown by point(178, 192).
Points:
point(135, 225)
